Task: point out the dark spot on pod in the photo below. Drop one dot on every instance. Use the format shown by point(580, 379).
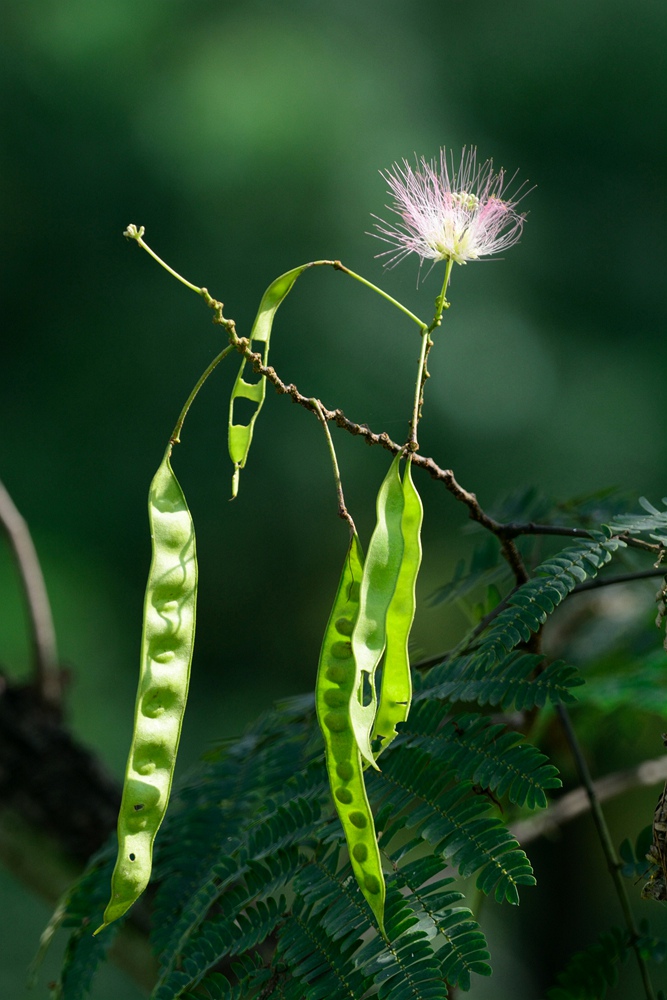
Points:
point(341, 650)
point(344, 770)
point(142, 795)
point(372, 883)
point(358, 819)
point(344, 626)
point(344, 795)
point(336, 699)
point(336, 721)
point(132, 857)
point(360, 852)
point(338, 673)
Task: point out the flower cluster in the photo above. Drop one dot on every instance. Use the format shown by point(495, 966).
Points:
point(449, 214)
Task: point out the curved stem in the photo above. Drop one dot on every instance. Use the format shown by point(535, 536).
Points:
point(422, 375)
point(441, 304)
point(47, 675)
point(415, 319)
point(136, 233)
point(175, 434)
point(608, 848)
point(343, 512)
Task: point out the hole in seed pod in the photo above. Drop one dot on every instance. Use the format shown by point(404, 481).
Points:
point(366, 690)
point(133, 857)
point(344, 626)
point(372, 884)
point(344, 795)
point(344, 770)
point(360, 852)
point(358, 819)
point(139, 806)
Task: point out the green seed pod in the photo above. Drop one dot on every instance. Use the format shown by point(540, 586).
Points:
point(240, 435)
point(396, 691)
point(378, 583)
point(335, 681)
point(166, 654)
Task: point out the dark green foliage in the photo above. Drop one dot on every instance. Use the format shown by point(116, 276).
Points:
point(531, 603)
point(453, 818)
point(651, 947)
point(590, 972)
point(464, 950)
point(488, 755)
point(635, 864)
point(486, 567)
point(653, 522)
point(323, 967)
point(408, 967)
point(85, 904)
point(639, 682)
point(254, 895)
point(249, 973)
point(519, 680)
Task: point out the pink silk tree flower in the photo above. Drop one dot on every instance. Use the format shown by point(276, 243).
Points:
point(449, 214)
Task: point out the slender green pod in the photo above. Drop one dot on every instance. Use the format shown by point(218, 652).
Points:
point(240, 435)
point(166, 654)
point(333, 692)
point(378, 583)
point(396, 688)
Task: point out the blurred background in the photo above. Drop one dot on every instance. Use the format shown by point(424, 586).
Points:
point(247, 138)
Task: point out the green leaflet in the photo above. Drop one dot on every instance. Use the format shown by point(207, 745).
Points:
point(396, 690)
point(166, 654)
point(333, 693)
point(378, 583)
point(240, 435)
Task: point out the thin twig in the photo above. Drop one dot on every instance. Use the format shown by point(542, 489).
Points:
point(576, 802)
point(514, 529)
point(607, 581)
point(607, 844)
point(48, 680)
point(343, 512)
point(446, 476)
point(505, 533)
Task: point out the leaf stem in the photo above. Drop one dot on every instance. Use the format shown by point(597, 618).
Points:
point(607, 844)
point(441, 304)
point(343, 512)
point(415, 319)
point(137, 233)
point(176, 433)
